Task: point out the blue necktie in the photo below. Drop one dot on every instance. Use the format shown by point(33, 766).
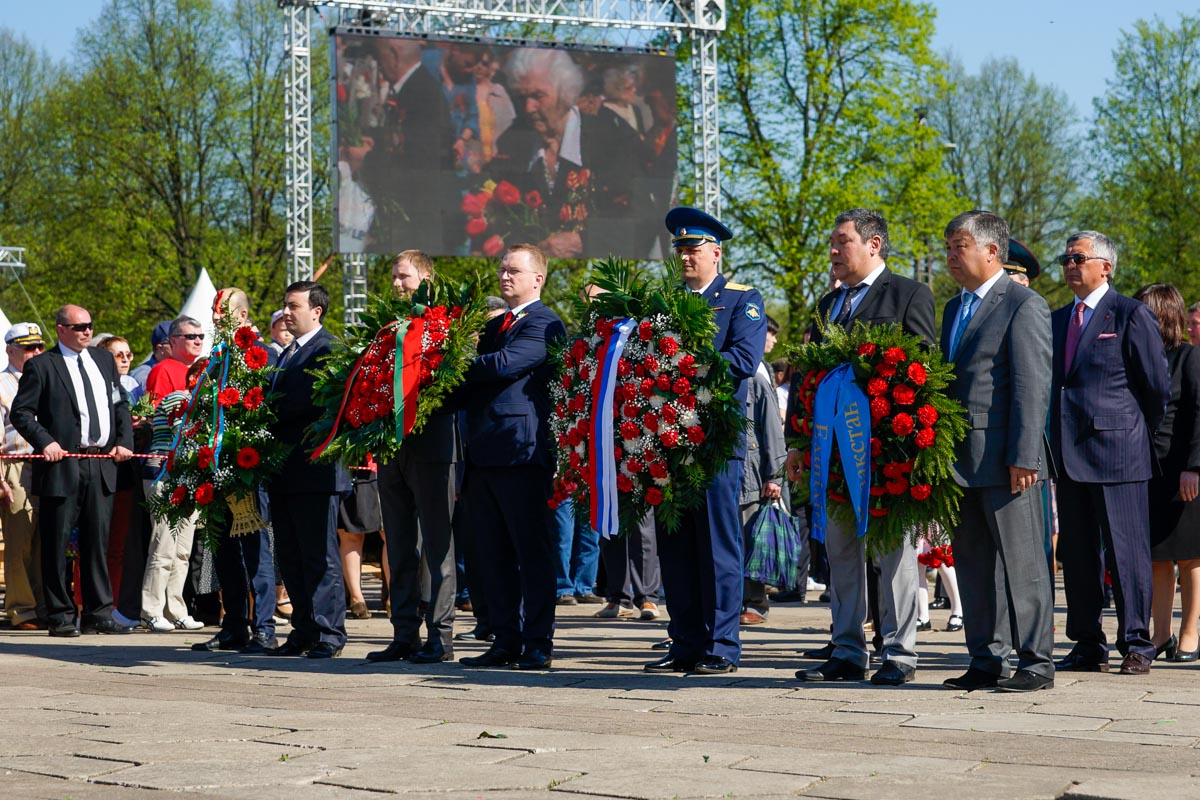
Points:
point(968, 307)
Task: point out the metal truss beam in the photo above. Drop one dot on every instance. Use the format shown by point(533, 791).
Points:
point(12, 257)
point(354, 288)
point(706, 129)
point(298, 117)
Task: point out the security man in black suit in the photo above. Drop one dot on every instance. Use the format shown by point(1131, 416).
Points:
point(305, 494)
point(70, 400)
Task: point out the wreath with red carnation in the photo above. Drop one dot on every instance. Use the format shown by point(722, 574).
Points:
point(915, 427)
point(356, 386)
point(675, 420)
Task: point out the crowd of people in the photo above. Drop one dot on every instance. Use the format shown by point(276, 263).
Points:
point(1092, 409)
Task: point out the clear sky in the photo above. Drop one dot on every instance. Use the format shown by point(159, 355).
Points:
point(1068, 43)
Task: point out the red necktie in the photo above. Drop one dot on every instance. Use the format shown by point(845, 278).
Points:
point(1074, 329)
point(508, 321)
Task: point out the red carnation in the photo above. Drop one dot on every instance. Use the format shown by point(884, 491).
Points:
point(624, 484)
point(894, 355)
point(902, 424)
point(476, 226)
point(650, 422)
point(867, 349)
point(229, 397)
point(925, 438)
point(663, 382)
point(654, 495)
point(179, 495)
point(634, 466)
point(920, 491)
point(837, 498)
point(247, 458)
point(877, 491)
point(669, 438)
point(630, 430)
point(255, 357)
point(916, 373)
point(904, 394)
point(585, 372)
point(630, 410)
point(886, 370)
point(876, 447)
point(892, 470)
point(650, 363)
point(204, 494)
point(880, 408)
point(876, 387)
point(645, 331)
point(681, 386)
point(898, 486)
point(507, 194)
point(669, 414)
point(204, 457)
point(687, 401)
point(695, 434)
point(647, 386)
point(533, 198)
point(877, 512)
point(668, 346)
point(244, 337)
point(658, 470)
point(473, 204)
point(927, 415)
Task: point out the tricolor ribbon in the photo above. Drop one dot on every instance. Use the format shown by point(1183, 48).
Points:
point(841, 409)
point(183, 423)
point(602, 449)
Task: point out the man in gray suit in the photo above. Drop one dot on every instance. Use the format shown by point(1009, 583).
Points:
point(997, 334)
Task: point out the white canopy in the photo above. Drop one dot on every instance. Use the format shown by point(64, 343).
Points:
point(199, 305)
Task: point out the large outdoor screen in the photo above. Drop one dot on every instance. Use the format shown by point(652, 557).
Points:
point(464, 147)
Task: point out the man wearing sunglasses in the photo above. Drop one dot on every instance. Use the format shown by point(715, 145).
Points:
point(1109, 392)
point(170, 375)
point(70, 401)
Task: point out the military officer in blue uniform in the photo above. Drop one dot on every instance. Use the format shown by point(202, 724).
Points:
point(702, 560)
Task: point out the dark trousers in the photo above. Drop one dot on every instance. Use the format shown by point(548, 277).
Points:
point(417, 500)
point(137, 546)
point(244, 566)
point(511, 523)
point(702, 573)
point(631, 566)
point(1113, 518)
point(307, 546)
point(466, 545)
point(90, 508)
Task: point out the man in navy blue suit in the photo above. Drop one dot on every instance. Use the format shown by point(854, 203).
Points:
point(304, 495)
point(1109, 392)
point(510, 466)
point(702, 560)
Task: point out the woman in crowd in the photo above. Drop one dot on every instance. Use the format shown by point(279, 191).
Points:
point(1174, 514)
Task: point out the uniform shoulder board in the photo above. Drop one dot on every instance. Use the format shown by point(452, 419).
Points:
point(738, 287)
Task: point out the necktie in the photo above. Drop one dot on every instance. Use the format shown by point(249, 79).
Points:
point(848, 293)
point(968, 307)
point(1074, 329)
point(89, 398)
point(508, 321)
point(283, 360)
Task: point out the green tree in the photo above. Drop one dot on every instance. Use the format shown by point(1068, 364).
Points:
point(1146, 145)
point(822, 102)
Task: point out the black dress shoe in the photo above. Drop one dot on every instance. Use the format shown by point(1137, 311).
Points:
point(835, 669)
point(590, 599)
point(665, 644)
point(893, 673)
point(324, 650)
point(1076, 662)
point(714, 665)
point(939, 602)
point(477, 633)
point(789, 596)
point(927, 625)
point(534, 659)
point(1135, 664)
point(494, 657)
point(822, 653)
point(670, 663)
point(105, 626)
point(972, 680)
point(432, 652)
point(259, 643)
point(1168, 648)
point(291, 648)
point(68, 631)
point(1183, 655)
point(396, 651)
point(222, 641)
point(955, 623)
point(1024, 681)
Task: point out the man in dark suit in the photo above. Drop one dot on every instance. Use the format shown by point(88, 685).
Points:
point(304, 495)
point(997, 333)
point(702, 559)
point(1110, 390)
point(416, 491)
point(70, 400)
point(874, 295)
point(510, 465)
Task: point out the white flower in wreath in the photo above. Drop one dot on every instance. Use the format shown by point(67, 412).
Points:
point(631, 445)
point(704, 395)
point(702, 371)
point(688, 419)
point(662, 481)
point(657, 400)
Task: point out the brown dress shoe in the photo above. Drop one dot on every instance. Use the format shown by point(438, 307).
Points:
point(751, 618)
point(1135, 664)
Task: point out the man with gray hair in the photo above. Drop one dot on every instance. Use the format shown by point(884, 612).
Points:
point(170, 375)
point(1109, 391)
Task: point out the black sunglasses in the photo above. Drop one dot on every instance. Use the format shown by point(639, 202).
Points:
point(191, 337)
point(33, 348)
point(79, 327)
point(1075, 258)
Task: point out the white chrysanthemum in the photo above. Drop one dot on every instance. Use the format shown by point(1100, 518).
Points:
point(657, 400)
point(688, 419)
point(704, 395)
point(663, 482)
point(702, 371)
point(631, 445)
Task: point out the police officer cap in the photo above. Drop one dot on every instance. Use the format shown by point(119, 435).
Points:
point(1021, 260)
point(691, 227)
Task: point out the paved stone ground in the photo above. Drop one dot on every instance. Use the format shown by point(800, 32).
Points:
point(139, 716)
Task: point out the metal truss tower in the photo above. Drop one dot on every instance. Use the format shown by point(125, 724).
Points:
point(702, 20)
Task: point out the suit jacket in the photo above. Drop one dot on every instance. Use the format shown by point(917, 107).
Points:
point(1177, 441)
point(1001, 369)
point(506, 393)
point(1105, 409)
point(46, 410)
point(741, 334)
point(292, 401)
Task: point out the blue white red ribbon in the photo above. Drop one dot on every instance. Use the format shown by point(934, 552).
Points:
point(602, 448)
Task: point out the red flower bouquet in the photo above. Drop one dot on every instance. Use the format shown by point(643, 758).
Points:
point(499, 214)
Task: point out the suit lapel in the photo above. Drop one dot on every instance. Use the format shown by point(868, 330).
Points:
point(60, 367)
point(989, 304)
point(874, 293)
point(1096, 325)
point(525, 314)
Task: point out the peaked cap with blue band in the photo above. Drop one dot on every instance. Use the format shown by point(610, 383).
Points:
point(691, 227)
point(1021, 260)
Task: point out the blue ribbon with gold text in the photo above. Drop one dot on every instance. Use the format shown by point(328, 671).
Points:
point(841, 410)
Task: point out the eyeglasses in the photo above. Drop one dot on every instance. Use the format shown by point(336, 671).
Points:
point(1075, 258)
point(78, 327)
point(191, 337)
point(33, 348)
point(505, 271)
point(122, 356)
